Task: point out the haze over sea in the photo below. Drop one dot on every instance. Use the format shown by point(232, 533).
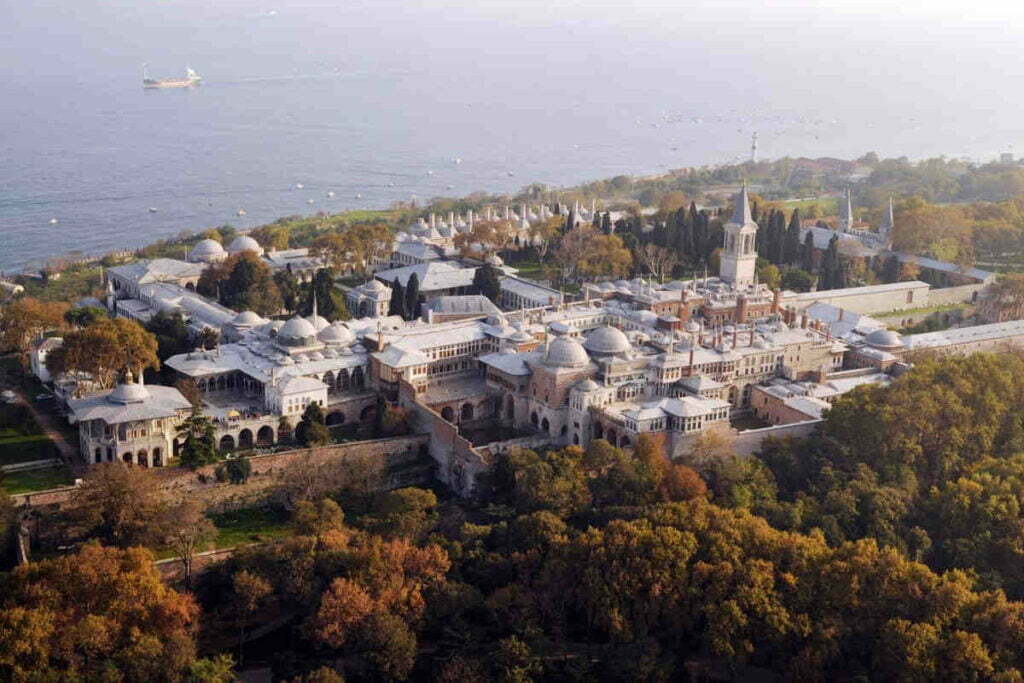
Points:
point(377, 99)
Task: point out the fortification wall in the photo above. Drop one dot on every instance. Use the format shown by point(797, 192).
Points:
point(749, 442)
point(954, 295)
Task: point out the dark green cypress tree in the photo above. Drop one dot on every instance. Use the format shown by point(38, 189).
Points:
point(486, 282)
point(606, 223)
point(412, 298)
point(779, 230)
point(397, 304)
point(791, 250)
point(807, 252)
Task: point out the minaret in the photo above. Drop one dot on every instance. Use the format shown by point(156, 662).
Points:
point(753, 149)
point(846, 214)
point(888, 223)
point(739, 260)
point(314, 305)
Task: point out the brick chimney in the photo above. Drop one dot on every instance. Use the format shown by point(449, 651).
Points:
point(741, 308)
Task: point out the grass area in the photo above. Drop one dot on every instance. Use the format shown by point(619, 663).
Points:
point(74, 283)
point(26, 448)
point(257, 525)
point(924, 309)
point(36, 480)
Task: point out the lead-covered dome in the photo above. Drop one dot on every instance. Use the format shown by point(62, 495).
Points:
point(244, 243)
point(884, 339)
point(566, 353)
point(297, 332)
point(206, 251)
point(607, 340)
point(128, 393)
point(337, 335)
point(247, 318)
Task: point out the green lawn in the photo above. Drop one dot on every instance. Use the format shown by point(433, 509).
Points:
point(25, 448)
point(241, 527)
point(36, 480)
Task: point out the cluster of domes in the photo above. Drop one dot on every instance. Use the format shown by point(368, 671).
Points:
point(210, 250)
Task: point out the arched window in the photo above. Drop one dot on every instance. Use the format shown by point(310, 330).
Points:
point(545, 425)
point(227, 443)
point(158, 460)
point(448, 414)
point(127, 457)
point(245, 439)
point(336, 418)
point(533, 418)
point(467, 411)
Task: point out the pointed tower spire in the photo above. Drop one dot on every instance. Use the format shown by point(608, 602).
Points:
point(846, 213)
point(741, 213)
point(314, 305)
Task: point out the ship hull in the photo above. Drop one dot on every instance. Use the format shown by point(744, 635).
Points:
point(163, 85)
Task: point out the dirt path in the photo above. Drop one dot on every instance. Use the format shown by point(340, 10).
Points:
point(47, 422)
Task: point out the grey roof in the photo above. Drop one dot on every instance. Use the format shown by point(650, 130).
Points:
point(161, 402)
point(933, 264)
point(432, 276)
point(510, 363)
point(158, 270)
point(470, 303)
point(198, 309)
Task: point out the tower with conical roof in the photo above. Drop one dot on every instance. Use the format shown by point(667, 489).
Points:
point(739, 259)
point(846, 213)
point(888, 223)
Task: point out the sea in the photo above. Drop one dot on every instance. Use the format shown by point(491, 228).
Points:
point(311, 107)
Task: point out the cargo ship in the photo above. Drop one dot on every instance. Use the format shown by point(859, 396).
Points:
point(191, 80)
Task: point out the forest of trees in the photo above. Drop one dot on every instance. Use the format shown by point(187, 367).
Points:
point(886, 546)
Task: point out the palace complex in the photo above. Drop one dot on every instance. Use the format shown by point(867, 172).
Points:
point(630, 357)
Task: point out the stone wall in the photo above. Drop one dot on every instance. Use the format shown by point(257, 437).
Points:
point(749, 442)
point(954, 295)
point(868, 300)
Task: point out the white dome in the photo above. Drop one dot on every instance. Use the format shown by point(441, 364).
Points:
point(607, 340)
point(521, 336)
point(319, 322)
point(588, 385)
point(566, 353)
point(206, 250)
point(128, 393)
point(247, 318)
point(884, 339)
point(693, 327)
point(336, 334)
point(297, 331)
point(244, 243)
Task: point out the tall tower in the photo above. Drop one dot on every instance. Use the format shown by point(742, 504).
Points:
point(739, 260)
point(753, 149)
point(846, 214)
point(888, 223)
